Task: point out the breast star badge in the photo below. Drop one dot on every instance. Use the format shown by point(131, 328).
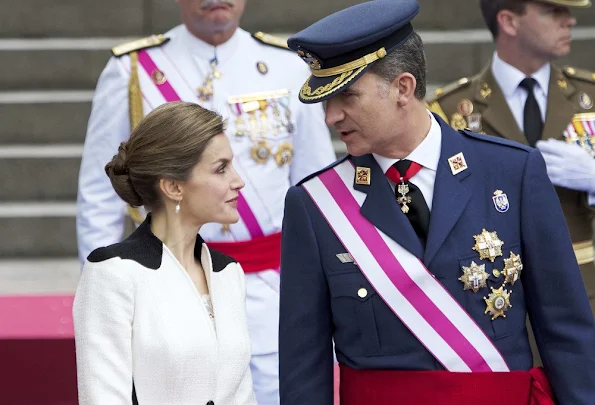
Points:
point(474, 277)
point(512, 269)
point(488, 245)
point(498, 302)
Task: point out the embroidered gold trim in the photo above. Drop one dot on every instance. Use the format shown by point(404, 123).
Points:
point(584, 252)
point(347, 67)
point(307, 93)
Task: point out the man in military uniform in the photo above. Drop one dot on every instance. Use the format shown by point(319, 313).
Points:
point(423, 250)
point(522, 96)
point(250, 79)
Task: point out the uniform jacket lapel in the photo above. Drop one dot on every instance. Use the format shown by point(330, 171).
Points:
point(496, 112)
point(451, 192)
point(381, 209)
point(560, 106)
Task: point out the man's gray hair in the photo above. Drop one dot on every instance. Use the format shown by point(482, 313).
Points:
point(409, 57)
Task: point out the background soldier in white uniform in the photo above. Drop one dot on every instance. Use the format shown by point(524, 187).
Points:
point(277, 141)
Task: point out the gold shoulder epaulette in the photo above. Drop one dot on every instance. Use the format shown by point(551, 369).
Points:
point(449, 88)
point(271, 40)
point(138, 44)
point(580, 74)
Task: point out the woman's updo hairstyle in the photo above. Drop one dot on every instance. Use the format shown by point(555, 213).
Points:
point(167, 143)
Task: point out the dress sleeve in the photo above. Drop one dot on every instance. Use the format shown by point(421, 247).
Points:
point(103, 313)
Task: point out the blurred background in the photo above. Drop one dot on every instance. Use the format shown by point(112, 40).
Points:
point(51, 54)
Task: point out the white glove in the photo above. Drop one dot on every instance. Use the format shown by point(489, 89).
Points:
point(568, 165)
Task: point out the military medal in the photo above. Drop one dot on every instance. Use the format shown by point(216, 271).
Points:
point(500, 201)
point(457, 163)
point(488, 245)
point(512, 269)
point(261, 151)
point(474, 277)
point(284, 101)
point(497, 302)
point(284, 154)
point(362, 175)
point(225, 228)
point(403, 200)
point(205, 92)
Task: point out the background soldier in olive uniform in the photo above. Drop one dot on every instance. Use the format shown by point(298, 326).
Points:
point(520, 95)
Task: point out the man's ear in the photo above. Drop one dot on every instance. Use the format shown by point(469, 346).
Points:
point(406, 84)
point(508, 23)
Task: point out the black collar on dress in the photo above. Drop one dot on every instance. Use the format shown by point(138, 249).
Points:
point(143, 247)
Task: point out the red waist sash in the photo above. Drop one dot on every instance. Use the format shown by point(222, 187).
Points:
point(388, 387)
point(257, 254)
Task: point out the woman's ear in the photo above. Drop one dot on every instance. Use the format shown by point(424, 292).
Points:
point(171, 189)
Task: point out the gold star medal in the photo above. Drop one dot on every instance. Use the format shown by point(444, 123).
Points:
point(512, 269)
point(498, 302)
point(284, 154)
point(488, 245)
point(474, 277)
point(261, 151)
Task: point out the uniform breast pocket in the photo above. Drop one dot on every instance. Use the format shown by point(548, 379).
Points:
point(353, 313)
point(493, 291)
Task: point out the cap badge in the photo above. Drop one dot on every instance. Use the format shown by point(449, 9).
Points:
point(312, 60)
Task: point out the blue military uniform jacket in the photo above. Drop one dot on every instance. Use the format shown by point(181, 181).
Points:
point(319, 293)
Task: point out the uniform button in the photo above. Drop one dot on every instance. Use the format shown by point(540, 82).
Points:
point(362, 293)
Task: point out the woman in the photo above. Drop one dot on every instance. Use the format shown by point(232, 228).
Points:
point(159, 318)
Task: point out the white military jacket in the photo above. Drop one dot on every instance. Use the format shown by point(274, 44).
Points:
point(246, 66)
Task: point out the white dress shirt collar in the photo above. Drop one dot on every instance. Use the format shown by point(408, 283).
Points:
point(509, 77)
point(426, 154)
point(207, 51)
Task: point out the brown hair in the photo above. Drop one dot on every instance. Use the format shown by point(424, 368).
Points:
point(167, 143)
point(491, 8)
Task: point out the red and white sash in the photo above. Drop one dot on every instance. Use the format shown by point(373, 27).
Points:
point(169, 94)
point(401, 279)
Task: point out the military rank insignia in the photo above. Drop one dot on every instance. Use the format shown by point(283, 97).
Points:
point(497, 302)
point(488, 245)
point(474, 277)
point(500, 201)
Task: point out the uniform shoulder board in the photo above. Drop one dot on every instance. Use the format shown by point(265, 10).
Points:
point(271, 40)
point(335, 163)
point(580, 74)
point(495, 139)
point(139, 44)
point(449, 88)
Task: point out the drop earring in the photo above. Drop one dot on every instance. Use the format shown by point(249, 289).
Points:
point(178, 207)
